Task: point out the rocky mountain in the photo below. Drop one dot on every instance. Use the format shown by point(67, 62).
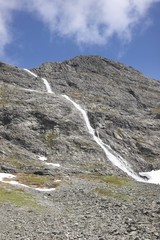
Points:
point(93, 198)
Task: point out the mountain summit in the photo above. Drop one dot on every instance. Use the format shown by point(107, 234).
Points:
point(59, 136)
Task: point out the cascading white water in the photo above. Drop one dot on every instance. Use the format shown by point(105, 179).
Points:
point(116, 160)
point(30, 72)
point(113, 157)
point(49, 90)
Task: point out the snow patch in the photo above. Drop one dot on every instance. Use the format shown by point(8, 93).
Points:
point(42, 158)
point(53, 164)
point(6, 175)
point(10, 176)
point(57, 180)
point(153, 176)
point(45, 189)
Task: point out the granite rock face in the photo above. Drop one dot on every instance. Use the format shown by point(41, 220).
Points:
point(123, 107)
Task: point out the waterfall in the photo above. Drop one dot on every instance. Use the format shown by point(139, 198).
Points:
point(30, 72)
point(116, 160)
point(113, 157)
point(49, 90)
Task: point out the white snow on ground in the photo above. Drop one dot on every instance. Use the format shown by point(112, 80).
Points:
point(57, 180)
point(53, 164)
point(5, 175)
point(16, 183)
point(42, 158)
point(45, 189)
point(31, 90)
point(153, 176)
point(10, 176)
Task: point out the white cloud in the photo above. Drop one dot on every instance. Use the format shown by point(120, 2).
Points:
point(6, 9)
point(92, 21)
point(87, 21)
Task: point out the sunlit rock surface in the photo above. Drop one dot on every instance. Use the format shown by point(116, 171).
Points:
point(45, 143)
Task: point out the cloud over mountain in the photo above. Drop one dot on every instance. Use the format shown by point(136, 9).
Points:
point(87, 22)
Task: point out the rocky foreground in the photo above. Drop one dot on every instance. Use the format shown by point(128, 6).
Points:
point(93, 199)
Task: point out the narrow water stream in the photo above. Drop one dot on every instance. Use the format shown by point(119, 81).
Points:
point(118, 161)
point(110, 154)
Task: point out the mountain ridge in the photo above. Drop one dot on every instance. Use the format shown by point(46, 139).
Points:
point(122, 106)
point(139, 99)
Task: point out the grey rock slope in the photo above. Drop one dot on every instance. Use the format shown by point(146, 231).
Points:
point(122, 104)
point(94, 199)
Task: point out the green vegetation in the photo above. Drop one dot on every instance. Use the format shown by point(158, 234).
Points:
point(4, 94)
point(114, 187)
point(50, 138)
point(119, 181)
point(19, 163)
point(112, 194)
point(31, 179)
point(12, 161)
point(156, 110)
point(115, 180)
point(102, 109)
point(82, 145)
point(39, 181)
point(119, 132)
point(17, 197)
point(148, 159)
point(92, 167)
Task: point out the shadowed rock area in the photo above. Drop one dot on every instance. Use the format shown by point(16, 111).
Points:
point(93, 198)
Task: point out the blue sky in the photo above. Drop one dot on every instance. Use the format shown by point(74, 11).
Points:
point(36, 31)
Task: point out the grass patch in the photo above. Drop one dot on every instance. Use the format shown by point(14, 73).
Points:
point(148, 159)
point(92, 167)
point(119, 132)
point(51, 137)
point(19, 163)
point(119, 181)
point(115, 180)
point(156, 110)
point(109, 193)
point(83, 145)
point(33, 180)
point(17, 197)
point(4, 94)
point(104, 110)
